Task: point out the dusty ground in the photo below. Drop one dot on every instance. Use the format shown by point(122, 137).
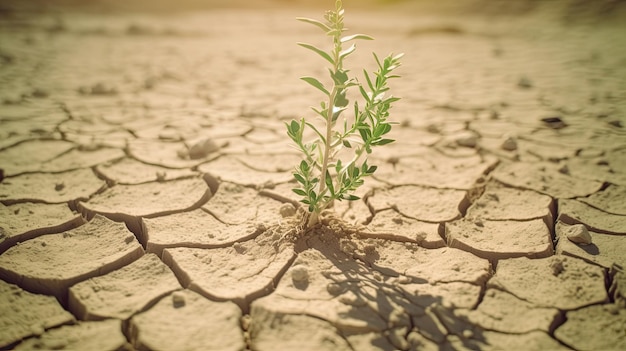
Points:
point(145, 188)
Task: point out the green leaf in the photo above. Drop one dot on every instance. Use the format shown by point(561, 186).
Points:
point(372, 169)
point(317, 131)
point(365, 133)
point(329, 183)
point(355, 172)
point(398, 56)
point(338, 7)
point(340, 77)
point(316, 83)
point(299, 178)
point(381, 129)
point(334, 33)
point(351, 197)
point(318, 51)
point(295, 127)
point(377, 61)
point(314, 22)
point(364, 94)
point(347, 51)
point(304, 166)
point(340, 99)
point(347, 144)
point(299, 192)
point(383, 142)
point(390, 100)
point(367, 78)
point(356, 36)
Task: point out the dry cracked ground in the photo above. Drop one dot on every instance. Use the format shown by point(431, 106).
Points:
point(146, 175)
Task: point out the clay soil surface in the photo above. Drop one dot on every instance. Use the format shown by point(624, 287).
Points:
point(145, 179)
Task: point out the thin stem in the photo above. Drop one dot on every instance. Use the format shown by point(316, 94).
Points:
point(314, 218)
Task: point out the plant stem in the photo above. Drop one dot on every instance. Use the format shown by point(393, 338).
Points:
point(314, 218)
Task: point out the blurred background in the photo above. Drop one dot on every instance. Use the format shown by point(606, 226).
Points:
point(568, 9)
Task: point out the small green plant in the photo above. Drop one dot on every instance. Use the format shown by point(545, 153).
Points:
point(335, 161)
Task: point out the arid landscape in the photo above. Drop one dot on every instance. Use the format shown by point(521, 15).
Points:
point(146, 176)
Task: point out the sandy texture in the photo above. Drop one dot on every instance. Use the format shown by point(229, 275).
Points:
point(571, 284)
point(104, 335)
point(123, 292)
point(502, 312)
point(584, 328)
point(503, 203)
point(611, 246)
point(194, 229)
point(146, 179)
point(431, 168)
point(424, 204)
point(129, 171)
point(240, 273)
point(608, 200)
point(149, 200)
point(172, 324)
point(18, 224)
point(43, 151)
point(572, 212)
point(392, 225)
point(226, 206)
point(51, 263)
point(24, 314)
point(234, 171)
point(50, 188)
point(500, 239)
point(545, 178)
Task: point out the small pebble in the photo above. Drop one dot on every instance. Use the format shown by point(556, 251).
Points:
point(557, 267)
point(397, 220)
point(300, 274)
point(554, 122)
point(393, 160)
point(334, 289)
point(287, 210)
point(524, 83)
point(101, 89)
point(160, 176)
point(202, 149)
point(509, 144)
point(239, 248)
point(178, 299)
point(39, 93)
point(433, 128)
point(467, 141)
point(579, 234)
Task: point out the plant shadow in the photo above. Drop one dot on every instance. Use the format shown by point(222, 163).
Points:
point(380, 305)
